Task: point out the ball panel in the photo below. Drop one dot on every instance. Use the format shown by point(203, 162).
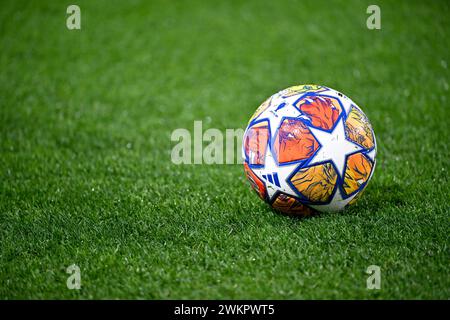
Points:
point(290, 205)
point(358, 128)
point(255, 182)
point(316, 183)
point(295, 90)
point(322, 111)
point(256, 140)
point(357, 172)
point(294, 142)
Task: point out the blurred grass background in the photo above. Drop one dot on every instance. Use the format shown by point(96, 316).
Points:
point(85, 170)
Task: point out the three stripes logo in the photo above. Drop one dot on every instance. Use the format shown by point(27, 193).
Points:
point(272, 178)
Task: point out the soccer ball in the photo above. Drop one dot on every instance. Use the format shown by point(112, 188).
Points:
point(309, 148)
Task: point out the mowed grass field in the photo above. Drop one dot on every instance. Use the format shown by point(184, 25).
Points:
point(86, 176)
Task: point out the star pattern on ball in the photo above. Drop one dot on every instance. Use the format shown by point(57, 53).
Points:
point(334, 147)
point(278, 110)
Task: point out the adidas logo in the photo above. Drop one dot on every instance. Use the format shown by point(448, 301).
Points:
point(272, 178)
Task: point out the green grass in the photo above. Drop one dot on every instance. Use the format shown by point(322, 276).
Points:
point(85, 170)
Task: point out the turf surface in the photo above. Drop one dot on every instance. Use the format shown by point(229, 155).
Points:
point(85, 170)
